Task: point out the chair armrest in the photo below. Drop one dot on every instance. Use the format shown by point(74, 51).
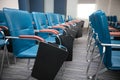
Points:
point(117, 34)
point(113, 29)
point(118, 22)
point(32, 37)
point(0, 29)
point(105, 44)
point(64, 25)
point(69, 23)
point(48, 31)
point(61, 27)
point(77, 21)
point(26, 37)
point(4, 27)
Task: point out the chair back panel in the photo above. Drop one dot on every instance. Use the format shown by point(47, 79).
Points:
point(2, 19)
point(103, 33)
point(56, 19)
point(40, 23)
point(50, 19)
point(20, 23)
point(40, 20)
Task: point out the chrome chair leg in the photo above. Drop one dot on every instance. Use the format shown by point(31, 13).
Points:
point(7, 55)
point(100, 64)
point(2, 65)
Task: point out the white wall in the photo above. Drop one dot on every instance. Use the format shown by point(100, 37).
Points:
point(72, 7)
point(111, 7)
point(49, 5)
point(86, 2)
point(9, 4)
point(115, 8)
point(103, 5)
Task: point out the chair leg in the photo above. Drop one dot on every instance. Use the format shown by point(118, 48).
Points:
point(100, 64)
point(92, 51)
point(63, 68)
point(2, 65)
point(88, 47)
point(90, 61)
point(14, 59)
point(28, 64)
point(28, 70)
point(7, 55)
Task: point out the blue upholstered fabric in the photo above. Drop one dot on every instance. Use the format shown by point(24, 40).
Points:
point(115, 60)
point(2, 19)
point(56, 19)
point(50, 19)
point(40, 20)
point(2, 42)
point(111, 59)
point(41, 23)
point(61, 18)
point(28, 53)
point(20, 23)
point(53, 21)
point(70, 18)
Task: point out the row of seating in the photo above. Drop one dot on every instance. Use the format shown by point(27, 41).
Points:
point(45, 37)
point(113, 21)
point(108, 48)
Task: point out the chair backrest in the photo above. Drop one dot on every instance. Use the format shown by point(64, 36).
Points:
point(95, 25)
point(19, 23)
point(61, 18)
point(2, 19)
point(103, 34)
point(70, 18)
point(114, 18)
point(40, 20)
point(50, 19)
point(91, 20)
point(56, 19)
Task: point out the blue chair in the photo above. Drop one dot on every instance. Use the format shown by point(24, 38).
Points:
point(49, 57)
point(97, 30)
point(3, 42)
point(3, 46)
point(61, 18)
point(72, 29)
point(70, 18)
point(67, 39)
point(109, 57)
point(2, 20)
point(113, 23)
point(42, 27)
point(51, 19)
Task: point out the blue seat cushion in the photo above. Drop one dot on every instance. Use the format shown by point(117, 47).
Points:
point(29, 53)
point(115, 60)
point(115, 42)
point(50, 39)
point(2, 42)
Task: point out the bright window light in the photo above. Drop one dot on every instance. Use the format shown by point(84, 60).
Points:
point(84, 10)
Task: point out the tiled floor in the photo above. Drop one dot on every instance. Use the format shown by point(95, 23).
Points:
point(73, 70)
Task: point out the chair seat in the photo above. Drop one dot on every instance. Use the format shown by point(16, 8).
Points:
point(115, 42)
point(29, 53)
point(50, 39)
point(115, 60)
point(2, 43)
